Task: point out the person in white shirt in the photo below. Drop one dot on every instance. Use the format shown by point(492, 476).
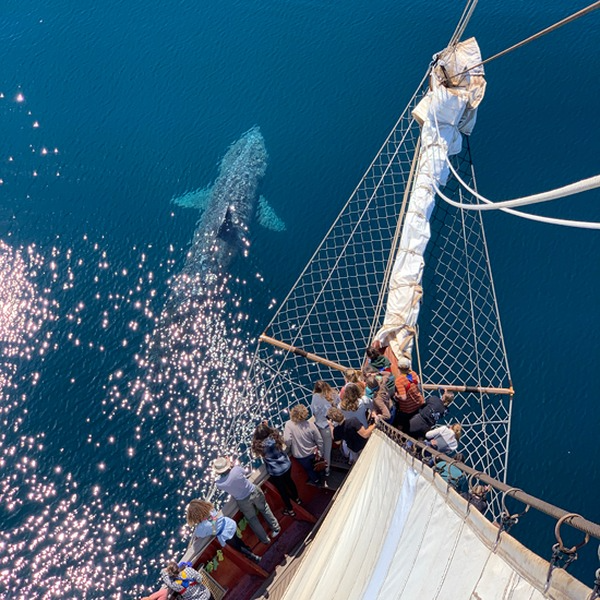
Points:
point(444, 438)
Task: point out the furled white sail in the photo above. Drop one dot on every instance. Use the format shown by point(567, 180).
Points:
point(447, 110)
point(397, 531)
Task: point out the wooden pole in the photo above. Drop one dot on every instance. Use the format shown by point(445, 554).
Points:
point(300, 352)
point(468, 389)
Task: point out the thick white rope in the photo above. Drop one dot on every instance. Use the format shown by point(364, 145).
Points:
point(568, 190)
point(498, 206)
point(518, 213)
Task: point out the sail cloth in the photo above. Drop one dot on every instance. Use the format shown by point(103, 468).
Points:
point(448, 109)
point(398, 531)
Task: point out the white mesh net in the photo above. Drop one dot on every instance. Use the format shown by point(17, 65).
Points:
point(334, 308)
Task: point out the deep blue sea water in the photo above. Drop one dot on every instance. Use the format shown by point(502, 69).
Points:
point(127, 104)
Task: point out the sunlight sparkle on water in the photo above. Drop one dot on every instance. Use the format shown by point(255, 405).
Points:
point(176, 393)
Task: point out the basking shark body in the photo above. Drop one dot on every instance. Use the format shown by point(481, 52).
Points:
point(191, 359)
point(228, 207)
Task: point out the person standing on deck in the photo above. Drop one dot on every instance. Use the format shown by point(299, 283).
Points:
point(408, 394)
point(324, 398)
point(351, 431)
point(305, 441)
point(354, 376)
point(385, 378)
point(355, 404)
point(269, 445)
point(380, 397)
point(249, 497)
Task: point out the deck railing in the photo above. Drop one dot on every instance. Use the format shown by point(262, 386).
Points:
point(416, 447)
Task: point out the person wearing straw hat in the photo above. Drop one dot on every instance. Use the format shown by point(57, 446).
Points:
point(249, 497)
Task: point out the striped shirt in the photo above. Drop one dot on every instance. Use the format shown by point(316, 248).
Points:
point(410, 398)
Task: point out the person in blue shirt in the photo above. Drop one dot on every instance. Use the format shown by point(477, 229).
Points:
point(249, 497)
point(269, 445)
point(206, 521)
point(450, 473)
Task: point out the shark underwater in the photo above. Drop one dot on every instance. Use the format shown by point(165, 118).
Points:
point(228, 207)
point(191, 366)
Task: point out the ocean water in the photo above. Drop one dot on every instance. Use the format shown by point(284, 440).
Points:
point(110, 110)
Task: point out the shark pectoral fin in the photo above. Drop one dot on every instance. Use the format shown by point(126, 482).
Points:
point(197, 199)
point(266, 216)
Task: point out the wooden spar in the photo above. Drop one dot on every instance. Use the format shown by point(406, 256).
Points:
point(300, 352)
point(468, 389)
point(426, 386)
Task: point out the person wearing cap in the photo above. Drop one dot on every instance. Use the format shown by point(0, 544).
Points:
point(408, 394)
point(305, 441)
point(249, 497)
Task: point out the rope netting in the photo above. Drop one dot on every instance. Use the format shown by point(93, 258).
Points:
point(460, 335)
point(335, 306)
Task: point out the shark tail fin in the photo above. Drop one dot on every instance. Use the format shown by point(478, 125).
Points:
point(267, 217)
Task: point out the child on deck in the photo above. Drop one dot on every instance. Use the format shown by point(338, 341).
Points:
point(206, 521)
point(183, 579)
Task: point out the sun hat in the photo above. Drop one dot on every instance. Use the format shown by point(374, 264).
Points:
point(221, 465)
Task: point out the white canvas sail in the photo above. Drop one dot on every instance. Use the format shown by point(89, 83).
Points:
point(397, 530)
point(448, 110)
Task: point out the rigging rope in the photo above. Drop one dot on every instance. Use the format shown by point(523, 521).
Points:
point(463, 22)
point(539, 34)
point(568, 190)
point(535, 199)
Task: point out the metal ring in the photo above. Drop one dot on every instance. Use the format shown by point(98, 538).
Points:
point(435, 467)
point(561, 546)
point(505, 510)
point(473, 475)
